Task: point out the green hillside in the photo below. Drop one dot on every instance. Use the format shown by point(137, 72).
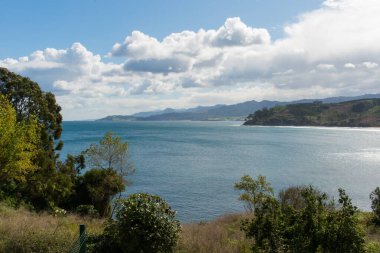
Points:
point(357, 113)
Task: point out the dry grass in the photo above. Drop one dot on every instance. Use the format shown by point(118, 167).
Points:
point(222, 235)
point(24, 231)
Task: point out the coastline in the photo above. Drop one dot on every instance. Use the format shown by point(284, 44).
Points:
point(347, 128)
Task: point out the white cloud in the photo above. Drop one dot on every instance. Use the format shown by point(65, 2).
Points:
point(349, 66)
point(233, 33)
point(139, 46)
point(370, 65)
point(236, 33)
point(326, 67)
point(334, 3)
point(333, 50)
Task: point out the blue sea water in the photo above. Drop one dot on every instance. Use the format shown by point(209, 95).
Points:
point(194, 165)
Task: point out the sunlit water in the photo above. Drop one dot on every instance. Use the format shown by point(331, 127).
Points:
point(194, 165)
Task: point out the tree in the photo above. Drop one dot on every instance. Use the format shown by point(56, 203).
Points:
point(110, 153)
point(304, 226)
point(30, 102)
point(96, 187)
point(18, 148)
point(375, 198)
point(292, 196)
point(255, 191)
point(59, 188)
point(343, 233)
point(144, 224)
point(266, 227)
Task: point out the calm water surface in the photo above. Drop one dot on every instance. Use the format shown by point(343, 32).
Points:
point(193, 165)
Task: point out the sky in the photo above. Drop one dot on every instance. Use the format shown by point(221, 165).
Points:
point(121, 57)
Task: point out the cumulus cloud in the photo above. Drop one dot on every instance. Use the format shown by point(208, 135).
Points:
point(233, 33)
point(139, 46)
point(236, 33)
point(51, 67)
point(181, 52)
point(332, 50)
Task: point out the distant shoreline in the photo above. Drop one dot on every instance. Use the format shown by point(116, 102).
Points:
point(370, 128)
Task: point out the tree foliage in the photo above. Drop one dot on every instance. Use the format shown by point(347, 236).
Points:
point(30, 101)
point(32, 104)
point(375, 205)
point(303, 220)
point(97, 187)
point(30, 125)
point(110, 153)
point(255, 191)
point(343, 233)
point(18, 148)
point(266, 227)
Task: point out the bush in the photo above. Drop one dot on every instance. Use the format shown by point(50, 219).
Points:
point(97, 187)
point(342, 232)
point(375, 198)
point(303, 219)
point(144, 223)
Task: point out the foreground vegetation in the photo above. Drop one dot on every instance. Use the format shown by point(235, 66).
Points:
point(300, 219)
point(358, 113)
point(23, 231)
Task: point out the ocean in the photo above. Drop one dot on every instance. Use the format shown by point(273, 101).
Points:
point(194, 165)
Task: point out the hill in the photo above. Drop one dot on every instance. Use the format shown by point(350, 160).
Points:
point(357, 113)
point(222, 112)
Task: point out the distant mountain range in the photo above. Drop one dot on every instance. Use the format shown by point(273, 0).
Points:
point(238, 111)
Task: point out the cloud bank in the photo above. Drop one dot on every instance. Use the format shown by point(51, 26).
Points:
point(333, 50)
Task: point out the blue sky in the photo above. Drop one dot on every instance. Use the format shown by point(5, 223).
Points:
point(121, 57)
point(31, 25)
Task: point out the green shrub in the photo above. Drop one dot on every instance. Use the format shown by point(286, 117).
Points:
point(375, 198)
point(372, 247)
point(303, 220)
point(144, 223)
point(97, 187)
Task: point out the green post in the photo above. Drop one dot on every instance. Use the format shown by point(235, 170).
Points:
point(82, 236)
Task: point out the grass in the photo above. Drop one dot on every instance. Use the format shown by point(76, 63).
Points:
point(221, 235)
point(23, 231)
